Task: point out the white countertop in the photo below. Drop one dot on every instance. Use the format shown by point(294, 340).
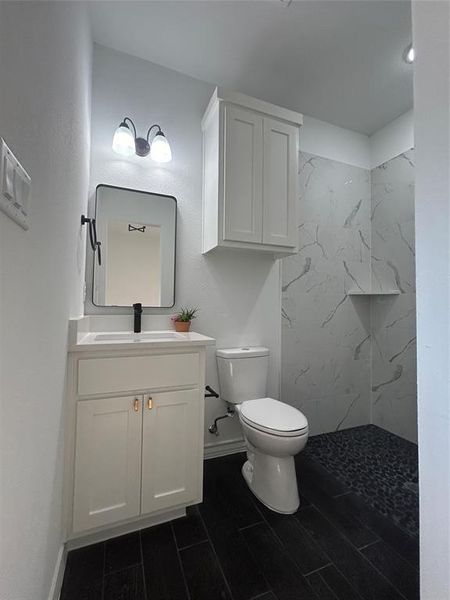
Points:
point(105, 340)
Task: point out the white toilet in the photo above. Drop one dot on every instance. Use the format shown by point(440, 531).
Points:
point(275, 432)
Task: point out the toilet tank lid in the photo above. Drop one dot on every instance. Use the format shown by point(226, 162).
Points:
point(243, 352)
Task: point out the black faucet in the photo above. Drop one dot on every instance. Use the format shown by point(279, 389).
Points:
point(137, 317)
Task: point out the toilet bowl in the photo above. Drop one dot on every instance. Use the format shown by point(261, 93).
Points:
point(274, 431)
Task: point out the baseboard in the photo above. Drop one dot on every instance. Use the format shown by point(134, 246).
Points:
point(224, 448)
point(58, 574)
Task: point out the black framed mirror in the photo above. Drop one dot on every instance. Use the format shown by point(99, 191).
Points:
point(137, 234)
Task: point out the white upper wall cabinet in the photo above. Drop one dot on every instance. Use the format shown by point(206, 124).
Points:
point(250, 166)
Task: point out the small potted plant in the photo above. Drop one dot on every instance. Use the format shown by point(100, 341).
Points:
point(182, 320)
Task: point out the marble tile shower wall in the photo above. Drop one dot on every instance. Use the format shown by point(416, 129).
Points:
point(394, 376)
point(349, 360)
point(326, 351)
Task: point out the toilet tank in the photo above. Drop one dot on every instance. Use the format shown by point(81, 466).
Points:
point(242, 373)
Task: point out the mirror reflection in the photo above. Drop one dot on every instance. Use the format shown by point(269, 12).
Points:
point(137, 231)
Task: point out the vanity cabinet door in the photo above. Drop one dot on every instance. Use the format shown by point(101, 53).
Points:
point(172, 450)
point(280, 183)
point(243, 167)
point(107, 461)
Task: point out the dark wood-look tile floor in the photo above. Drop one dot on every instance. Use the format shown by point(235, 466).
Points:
point(231, 547)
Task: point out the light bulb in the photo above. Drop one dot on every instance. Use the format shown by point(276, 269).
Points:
point(409, 54)
point(160, 149)
point(123, 141)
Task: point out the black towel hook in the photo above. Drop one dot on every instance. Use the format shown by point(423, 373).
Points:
point(95, 244)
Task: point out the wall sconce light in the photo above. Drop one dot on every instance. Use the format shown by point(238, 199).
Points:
point(126, 142)
point(409, 54)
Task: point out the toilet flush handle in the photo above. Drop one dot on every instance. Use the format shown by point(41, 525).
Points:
point(211, 393)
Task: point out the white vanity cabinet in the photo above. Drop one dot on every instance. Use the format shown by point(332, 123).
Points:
point(135, 434)
point(250, 170)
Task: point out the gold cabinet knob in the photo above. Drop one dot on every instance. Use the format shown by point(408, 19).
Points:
point(136, 404)
point(150, 403)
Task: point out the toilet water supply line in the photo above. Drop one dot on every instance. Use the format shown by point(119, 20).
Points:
point(214, 429)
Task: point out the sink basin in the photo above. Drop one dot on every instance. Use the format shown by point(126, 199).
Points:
point(145, 336)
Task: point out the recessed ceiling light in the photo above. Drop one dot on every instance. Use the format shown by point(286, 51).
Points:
point(409, 54)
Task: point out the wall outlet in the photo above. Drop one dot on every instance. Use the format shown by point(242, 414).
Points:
point(15, 187)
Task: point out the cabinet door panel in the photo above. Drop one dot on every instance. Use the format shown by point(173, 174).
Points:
point(280, 183)
point(171, 451)
point(243, 164)
point(107, 461)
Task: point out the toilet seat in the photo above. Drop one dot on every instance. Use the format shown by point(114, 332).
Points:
point(274, 417)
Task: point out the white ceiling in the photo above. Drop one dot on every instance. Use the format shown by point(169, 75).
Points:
point(339, 61)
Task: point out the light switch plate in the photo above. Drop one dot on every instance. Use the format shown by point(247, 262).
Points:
point(15, 187)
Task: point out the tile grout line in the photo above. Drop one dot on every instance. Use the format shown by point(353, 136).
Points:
point(382, 575)
point(264, 520)
point(216, 556)
point(372, 529)
point(390, 523)
point(142, 564)
point(180, 562)
point(252, 525)
point(136, 564)
point(370, 544)
point(180, 548)
point(341, 495)
point(287, 551)
point(103, 571)
point(327, 586)
point(364, 558)
point(330, 564)
point(368, 527)
point(269, 587)
point(325, 553)
point(343, 533)
point(284, 549)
